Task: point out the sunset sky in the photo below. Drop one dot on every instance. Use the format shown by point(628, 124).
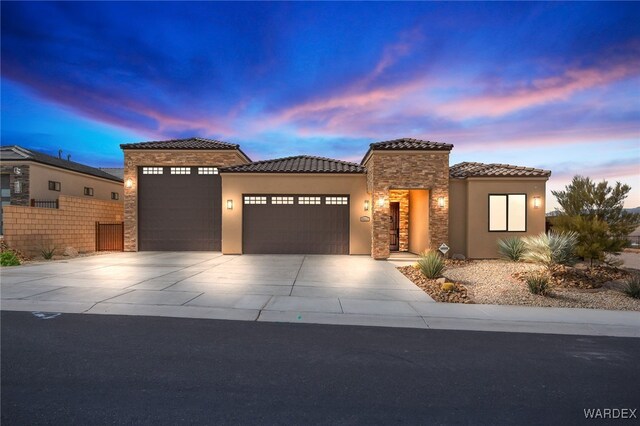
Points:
point(549, 85)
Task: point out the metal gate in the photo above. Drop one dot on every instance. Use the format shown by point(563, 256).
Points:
point(110, 236)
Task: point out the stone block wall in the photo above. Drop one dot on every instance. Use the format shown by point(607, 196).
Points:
point(21, 198)
point(30, 229)
point(407, 170)
point(136, 158)
point(402, 196)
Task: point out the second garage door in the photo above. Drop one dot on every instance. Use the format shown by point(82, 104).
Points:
point(295, 224)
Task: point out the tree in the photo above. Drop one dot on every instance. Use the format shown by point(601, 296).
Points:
point(595, 211)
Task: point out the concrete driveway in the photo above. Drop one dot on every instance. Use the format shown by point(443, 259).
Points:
point(210, 285)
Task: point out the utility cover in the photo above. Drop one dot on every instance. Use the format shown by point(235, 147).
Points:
point(443, 248)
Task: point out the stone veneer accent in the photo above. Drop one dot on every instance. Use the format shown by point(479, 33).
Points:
point(21, 199)
point(30, 229)
point(402, 196)
point(387, 170)
point(135, 158)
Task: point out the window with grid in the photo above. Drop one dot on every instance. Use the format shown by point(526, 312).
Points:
point(207, 170)
point(281, 200)
point(336, 200)
point(181, 170)
point(152, 170)
point(88, 191)
point(250, 199)
point(54, 186)
point(309, 200)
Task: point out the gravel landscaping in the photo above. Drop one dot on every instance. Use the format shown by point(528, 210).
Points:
point(493, 282)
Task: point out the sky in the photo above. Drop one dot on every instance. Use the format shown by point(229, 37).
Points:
point(548, 85)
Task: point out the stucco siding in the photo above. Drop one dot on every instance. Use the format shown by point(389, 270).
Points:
point(458, 214)
point(418, 220)
point(71, 183)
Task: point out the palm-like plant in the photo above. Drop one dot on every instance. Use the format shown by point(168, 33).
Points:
point(511, 248)
point(555, 248)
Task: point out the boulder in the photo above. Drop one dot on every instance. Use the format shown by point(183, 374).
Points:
point(70, 251)
point(441, 280)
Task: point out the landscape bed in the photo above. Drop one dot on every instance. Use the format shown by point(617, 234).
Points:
point(500, 282)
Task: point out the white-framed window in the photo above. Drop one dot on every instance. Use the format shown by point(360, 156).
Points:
point(207, 170)
point(507, 212)
point(252, 199)
point(152, 170)
point(309, 200)
point(281, 200)
point(181, 170)
point(336, 200)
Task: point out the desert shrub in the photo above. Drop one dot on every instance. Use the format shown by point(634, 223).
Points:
point(555, 248)
point(431, 264)
point(9, 258)
point(632, 287)
point(511, 248)
point(538, 283)
point(48, 252)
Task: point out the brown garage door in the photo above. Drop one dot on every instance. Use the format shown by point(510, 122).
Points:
point(295, 224)
point(179, 208)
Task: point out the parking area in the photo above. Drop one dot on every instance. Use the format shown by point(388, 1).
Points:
point(211, 285)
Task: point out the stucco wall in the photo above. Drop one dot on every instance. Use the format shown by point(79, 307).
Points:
point(458, 216)
point(418, 220)
point(235, 185)
point(135, 158)
point(71, 183)
point(480, 242)
point(30, 229)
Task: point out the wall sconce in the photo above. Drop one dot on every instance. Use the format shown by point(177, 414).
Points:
point(229, 204)
point(380, 202)
point(441, 202)
point(128, 183)
point(366, 205)
point(536, 202)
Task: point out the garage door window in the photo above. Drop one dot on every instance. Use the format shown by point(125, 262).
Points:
point(152, 170)
point(207, 170)
point(281, 200)
point(181, 170)
point(309, 200)
point(255, 200)
point(336, 200)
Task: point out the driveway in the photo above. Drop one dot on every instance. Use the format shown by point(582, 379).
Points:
point(250, 287)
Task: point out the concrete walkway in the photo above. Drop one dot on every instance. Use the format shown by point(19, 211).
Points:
point(354, 290)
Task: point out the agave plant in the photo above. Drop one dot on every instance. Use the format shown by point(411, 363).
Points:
point(431, 264)
point(511, 248)
point(554, 248)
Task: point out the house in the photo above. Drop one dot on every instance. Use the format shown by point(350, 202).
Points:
point(203, 194)
point(29, 177)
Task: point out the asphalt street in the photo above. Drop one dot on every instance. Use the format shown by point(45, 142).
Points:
point(99, 369)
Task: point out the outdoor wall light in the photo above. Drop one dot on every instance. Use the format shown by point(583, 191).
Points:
point(229, 204)
point(380, 202)
point(366, 205)
point(129, 183)
point(536, 202)
point(441, 202)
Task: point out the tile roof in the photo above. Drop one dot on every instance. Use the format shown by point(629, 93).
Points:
point(468, 169)
point(297, 164)
point(17, 153)
point(188, 143)
point(411, 144)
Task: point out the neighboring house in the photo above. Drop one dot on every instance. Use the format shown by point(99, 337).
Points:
point(115, 171)
point(30, 177)
point(202, 194)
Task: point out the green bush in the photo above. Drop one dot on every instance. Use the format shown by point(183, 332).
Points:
point(9, 258)
point(555, 248)
point(632, 287)
point(47, 253)
point(431, 264)
point(511, 248)
point(538, 283)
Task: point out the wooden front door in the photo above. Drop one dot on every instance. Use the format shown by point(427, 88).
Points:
point(394, 226)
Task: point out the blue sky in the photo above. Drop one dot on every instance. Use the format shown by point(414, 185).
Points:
point(553, 85)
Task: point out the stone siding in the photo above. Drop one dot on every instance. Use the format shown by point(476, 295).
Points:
point(133, 159)
point(30, 229)
point(22, 198)
point(408, 170)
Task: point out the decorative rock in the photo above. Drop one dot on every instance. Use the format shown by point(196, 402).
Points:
point(458, 256)
point(447, 287)
point(441, 280)
point(70, 251)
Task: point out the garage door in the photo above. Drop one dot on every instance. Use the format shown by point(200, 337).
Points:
point(179, 208)
point(295, 224)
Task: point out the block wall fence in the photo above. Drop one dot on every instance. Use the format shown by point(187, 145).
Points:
point(30, 229)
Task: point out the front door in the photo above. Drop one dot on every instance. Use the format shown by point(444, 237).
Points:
point(394, 226)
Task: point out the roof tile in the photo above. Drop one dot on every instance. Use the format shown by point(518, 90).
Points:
point(470, 169)
point(188, 143)
point(297, 164)
point(411, 144)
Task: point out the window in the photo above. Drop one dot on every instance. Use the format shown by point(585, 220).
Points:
point(152, 170)
point(181, 170)
point(309, 200)
point(255, 200)
point(508, 212)
point(115, 196)
point(281, 200)
point(88, 191)
point(207, 170)
point(54, 186)
point(336, 200)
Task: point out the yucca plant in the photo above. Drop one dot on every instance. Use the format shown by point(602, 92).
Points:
point(538, 283)
point(48, 252)
point(431, 264)
point(632, 287)
point(554, 248)
point(511, 248)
